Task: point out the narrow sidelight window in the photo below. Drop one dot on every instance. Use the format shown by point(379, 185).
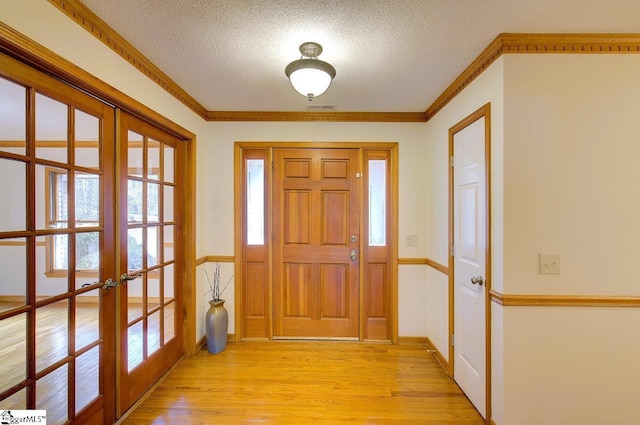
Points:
point(255, 202)
point(377, 202)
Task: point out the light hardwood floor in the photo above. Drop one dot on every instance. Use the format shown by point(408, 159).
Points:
point(307, 383)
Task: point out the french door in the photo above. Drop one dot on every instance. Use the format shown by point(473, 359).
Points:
point(90, 251)
point(150, 298)
point(57, 233)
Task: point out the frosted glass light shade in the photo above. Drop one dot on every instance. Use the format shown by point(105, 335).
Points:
point(309, 81)
point(310, 77)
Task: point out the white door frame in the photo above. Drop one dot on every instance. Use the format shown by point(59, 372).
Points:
point(484, 111)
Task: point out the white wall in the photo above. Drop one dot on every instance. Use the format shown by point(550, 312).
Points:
point(215, 196)
point(571, 174)
point(564, 174)
point(488, 87)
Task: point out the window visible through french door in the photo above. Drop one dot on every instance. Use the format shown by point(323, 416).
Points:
point(57, 330)
point(74, 246)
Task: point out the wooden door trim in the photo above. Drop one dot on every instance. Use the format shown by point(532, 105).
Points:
point(484, 111)
point(239, 147)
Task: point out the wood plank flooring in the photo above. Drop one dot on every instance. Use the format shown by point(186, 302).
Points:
point(307, 383)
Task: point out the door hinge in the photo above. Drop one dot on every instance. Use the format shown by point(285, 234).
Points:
point(451, 161)
point(453, 340)
point(452, 251)
point(272, 238)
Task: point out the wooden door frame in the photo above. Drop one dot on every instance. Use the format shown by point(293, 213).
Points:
point(42, 59)
point(484, 111)
point(240, 146)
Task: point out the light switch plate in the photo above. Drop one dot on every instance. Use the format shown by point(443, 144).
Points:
point(549, 264)
point(411, 240)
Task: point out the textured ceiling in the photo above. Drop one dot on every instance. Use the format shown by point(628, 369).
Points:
point(389, 55)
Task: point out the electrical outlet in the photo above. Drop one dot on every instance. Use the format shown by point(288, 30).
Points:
point(411, 240)
point(549, 264)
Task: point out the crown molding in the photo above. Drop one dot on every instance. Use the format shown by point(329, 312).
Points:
point(316, 116)
point(535, 43)
point(17, 45)
point(503, 43)
point(570, 43)
point(103, 32)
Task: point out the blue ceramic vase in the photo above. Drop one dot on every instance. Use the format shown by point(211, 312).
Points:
point(217, 321)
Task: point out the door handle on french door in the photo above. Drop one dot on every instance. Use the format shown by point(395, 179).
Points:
point(354, 255)
point(110, 283)
point(127, 277)
point(477, 280)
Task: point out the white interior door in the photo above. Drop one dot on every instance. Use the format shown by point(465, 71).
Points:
point(470, 262)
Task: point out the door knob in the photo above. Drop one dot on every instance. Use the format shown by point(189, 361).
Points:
point(477, 280)
point(127, 277)
point(110, 283)
point(354, 255)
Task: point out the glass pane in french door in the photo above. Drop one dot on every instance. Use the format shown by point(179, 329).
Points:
point(150, 338)
point(56, 149)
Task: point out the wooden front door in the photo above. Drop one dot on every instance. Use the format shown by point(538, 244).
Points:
point(316, 238)
point(150, 295)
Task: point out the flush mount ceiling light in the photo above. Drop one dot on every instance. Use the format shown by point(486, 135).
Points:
point(310, 77)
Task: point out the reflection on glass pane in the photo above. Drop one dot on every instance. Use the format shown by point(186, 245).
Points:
point(52, 395)
point(168, 164)
point(17, 401)
point(52, 334)
point(60, 252)
point(87, 318)
point(13, 195)
point(169, 323)
point(135, 154)
point(134, 201)
point(168, 244)
point(13, 119)
point(134, 249)
point(13, 276)
point(255, 202)
point(134, 299)
point(87, 378)
point(153, 333)
point(87, 199)
point(168, 204)
point(377, 202)
point(153, 248)
point(134, 345)
point(51, 129)
point(50, 282)
point(153, 202)
point(87, 140)
point(13, 334)
point(153, 159)
point(153, 290)
point(51, 198)
point(88, 251)
point(168, 281)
